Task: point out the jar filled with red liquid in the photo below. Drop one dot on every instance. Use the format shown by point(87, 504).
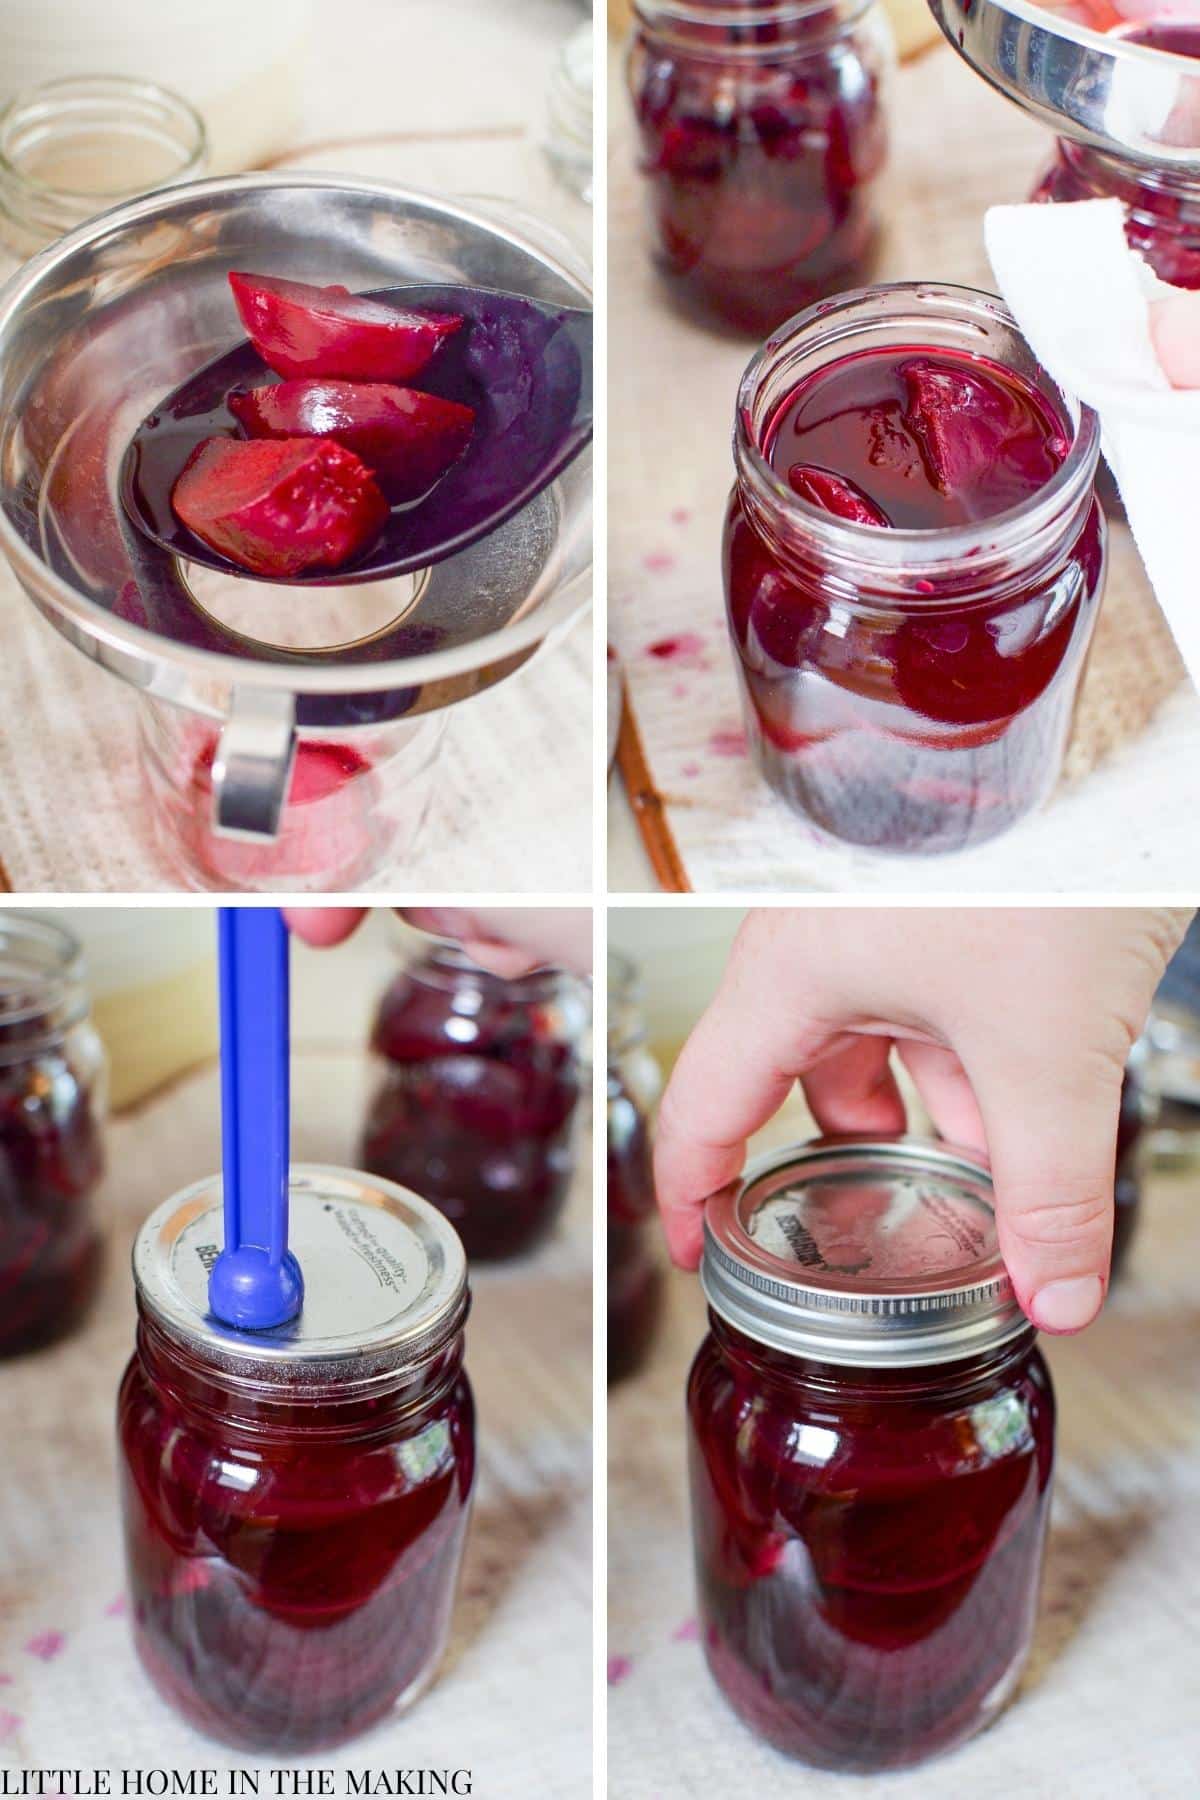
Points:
point(871, 1436)
point(635, 1281)
point(914, 561)
point(476, 1103)
point(52, 1104)
point(763, 134)
point(296, 1500)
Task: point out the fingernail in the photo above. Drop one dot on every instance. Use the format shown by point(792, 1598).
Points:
point(1067, 1305)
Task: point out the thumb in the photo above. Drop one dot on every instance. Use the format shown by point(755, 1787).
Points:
point(1052, 1141)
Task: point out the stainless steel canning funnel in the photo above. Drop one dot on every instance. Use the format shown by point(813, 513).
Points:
point(111, 317)
point(1099, 89)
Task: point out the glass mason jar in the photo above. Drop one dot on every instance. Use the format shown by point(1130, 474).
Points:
point(763, 133)
point(871, 1438)
point(354, 811)
point(52, 1104)
point(908, 690)
point(1171, 1042)
point(71, 148)
point(635, 1282)
point(296, 1501)
point(476, 1102)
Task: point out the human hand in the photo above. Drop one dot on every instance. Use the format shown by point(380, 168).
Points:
point(507, 940)
point(1015, 1025)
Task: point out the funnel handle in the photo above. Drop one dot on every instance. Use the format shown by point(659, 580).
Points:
point(252, 769)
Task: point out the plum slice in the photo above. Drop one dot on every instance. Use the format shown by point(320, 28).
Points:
point(978, 435)
point(834, 494)
point(301, 330)
point(279, 507)
point(408, 439)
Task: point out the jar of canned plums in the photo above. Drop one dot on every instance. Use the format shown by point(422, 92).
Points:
point(634, 1271)
point(296, 1500)
point(52, 1103)
point(763, 133)
point(476, 1102)
point(871, 1437)
point(914, 561)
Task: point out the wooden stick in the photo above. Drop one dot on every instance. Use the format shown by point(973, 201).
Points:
point(649, 809)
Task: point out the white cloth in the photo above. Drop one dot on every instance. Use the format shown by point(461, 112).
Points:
point(1081, 297)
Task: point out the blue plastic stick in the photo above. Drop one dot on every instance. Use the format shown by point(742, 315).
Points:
point(256, 1282)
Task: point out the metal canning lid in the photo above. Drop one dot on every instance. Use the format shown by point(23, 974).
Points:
point(385, 1280)
point(873, 1253)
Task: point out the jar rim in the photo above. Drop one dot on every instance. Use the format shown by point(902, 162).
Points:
point(135, 93)
point(448, 957)
point(917, 553)
point(942, 1310)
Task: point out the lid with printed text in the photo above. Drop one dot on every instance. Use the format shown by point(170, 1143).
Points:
point(385, 1280)
point(871, 1253)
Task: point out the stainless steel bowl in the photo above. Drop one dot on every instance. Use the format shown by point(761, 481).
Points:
point(111, 317)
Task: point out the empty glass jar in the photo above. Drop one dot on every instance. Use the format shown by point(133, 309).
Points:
point(52, 1104)
point(476, 1100)
point(871, 1443)
point(635, 1282)
point(763, 134)
point(296, 1500)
